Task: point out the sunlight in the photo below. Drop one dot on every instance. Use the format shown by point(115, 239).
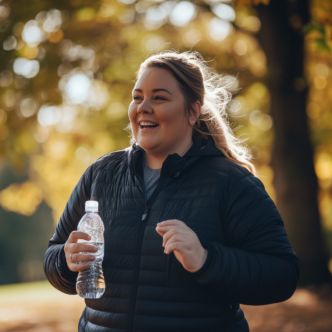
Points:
point(182, 13)
point(262, 121)
point(155, 17)
point(224, 12)
point(53, 21)
point(23, 198)
point(153, 44)
point(77, 88)
point(9, 43)
point(127, 2)
point(219, 29)
point(83, 155)
point(240, 47)
point(6, 78)
point(48, 115)
point(25, 67)
point(28, 107)
point(31, 33)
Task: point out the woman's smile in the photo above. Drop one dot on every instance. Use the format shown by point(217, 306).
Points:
point(147, 126)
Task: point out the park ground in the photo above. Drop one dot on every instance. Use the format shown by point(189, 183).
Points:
point(37, 307)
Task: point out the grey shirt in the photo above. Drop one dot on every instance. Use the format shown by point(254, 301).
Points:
point(151, 177)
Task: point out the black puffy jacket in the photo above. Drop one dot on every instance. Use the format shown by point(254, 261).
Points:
point(250, 259)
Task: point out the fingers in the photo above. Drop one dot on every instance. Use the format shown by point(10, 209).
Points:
point(76, 258)
point(171, 232)
point(182, 240)
point(171, 222)
point(78, 261)
point(161, 230)
point(75, 252)
point(81, 247)
point(178, 246)
point(76, 235)
point(164, 226)
point(78, 267)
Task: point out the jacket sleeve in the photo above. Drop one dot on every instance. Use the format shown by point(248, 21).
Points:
point(55, 265)
point(257, 265)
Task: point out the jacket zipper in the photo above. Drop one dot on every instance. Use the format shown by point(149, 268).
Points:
point(144, 219)
point(145, 214)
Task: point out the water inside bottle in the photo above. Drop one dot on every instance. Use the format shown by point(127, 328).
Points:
point(90, 282)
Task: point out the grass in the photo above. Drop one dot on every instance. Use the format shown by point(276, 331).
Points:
point(39, 290)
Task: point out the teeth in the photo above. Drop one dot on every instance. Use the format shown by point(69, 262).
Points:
point(148, 124)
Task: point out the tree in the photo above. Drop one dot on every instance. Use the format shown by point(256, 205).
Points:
point(295, 180)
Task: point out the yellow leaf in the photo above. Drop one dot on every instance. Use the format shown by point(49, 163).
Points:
point(56, 36)
point(23, 198)
point(30, 52)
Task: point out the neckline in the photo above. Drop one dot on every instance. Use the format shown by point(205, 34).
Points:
point(148, 167)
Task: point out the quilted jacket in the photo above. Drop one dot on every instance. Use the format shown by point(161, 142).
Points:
point(250, 259)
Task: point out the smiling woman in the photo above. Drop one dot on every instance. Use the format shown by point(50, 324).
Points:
point(158, 118)
point(190, 232)
point(190, 101)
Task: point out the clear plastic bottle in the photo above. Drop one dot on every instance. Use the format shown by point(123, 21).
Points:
point(90, 283)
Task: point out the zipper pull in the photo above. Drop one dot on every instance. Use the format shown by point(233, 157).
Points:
point(145, 214)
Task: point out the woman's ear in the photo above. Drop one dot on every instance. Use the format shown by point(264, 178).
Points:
point(195, 112)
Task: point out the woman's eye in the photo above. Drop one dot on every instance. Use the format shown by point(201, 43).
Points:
point(136, 97)
point(160, 98)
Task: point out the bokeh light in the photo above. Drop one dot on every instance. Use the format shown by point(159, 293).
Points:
point(154, 43)
point(182, 13)
point(224, 12)
point(83, 155)
point(4, 12)
point(32, 34)
point(219, 29)
point(262, 121)
point(28, 107)
point(21, 198)
point(3, 116)
point(127, 2)
point(6, 78)
point(240, 47)
point(155, 17)
point(77, 88)
point(48, 115)
point(53, 21)
point(9, 43)
point(25, 67)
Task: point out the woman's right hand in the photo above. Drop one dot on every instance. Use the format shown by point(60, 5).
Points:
point(73, 248)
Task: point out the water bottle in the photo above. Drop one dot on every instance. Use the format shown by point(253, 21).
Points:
point(90, 283)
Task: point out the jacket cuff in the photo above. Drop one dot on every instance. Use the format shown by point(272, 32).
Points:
point(207, 264)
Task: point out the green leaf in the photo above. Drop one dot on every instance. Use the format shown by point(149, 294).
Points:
point(311, 27)
point(322, 45)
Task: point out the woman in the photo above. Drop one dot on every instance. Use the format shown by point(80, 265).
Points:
point(190, 232)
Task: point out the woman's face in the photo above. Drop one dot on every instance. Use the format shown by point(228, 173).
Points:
point(157, 100)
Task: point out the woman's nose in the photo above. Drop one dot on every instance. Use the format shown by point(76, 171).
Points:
point(144, 107)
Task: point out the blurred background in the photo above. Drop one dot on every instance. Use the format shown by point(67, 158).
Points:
point(67, 69)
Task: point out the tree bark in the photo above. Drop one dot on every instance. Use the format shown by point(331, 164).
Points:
point(295, 179)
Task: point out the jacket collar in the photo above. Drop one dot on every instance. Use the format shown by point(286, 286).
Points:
point(175, 165)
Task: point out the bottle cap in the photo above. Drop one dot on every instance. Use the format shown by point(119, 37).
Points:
point(91, 206)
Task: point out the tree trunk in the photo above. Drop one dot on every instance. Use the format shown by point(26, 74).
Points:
point(295, 180)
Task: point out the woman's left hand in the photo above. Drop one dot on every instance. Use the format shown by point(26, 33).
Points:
point(183, 241)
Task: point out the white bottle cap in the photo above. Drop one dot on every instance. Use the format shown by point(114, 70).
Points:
point(91, 206)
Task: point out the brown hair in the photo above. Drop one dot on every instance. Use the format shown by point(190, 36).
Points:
point(198, 83)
